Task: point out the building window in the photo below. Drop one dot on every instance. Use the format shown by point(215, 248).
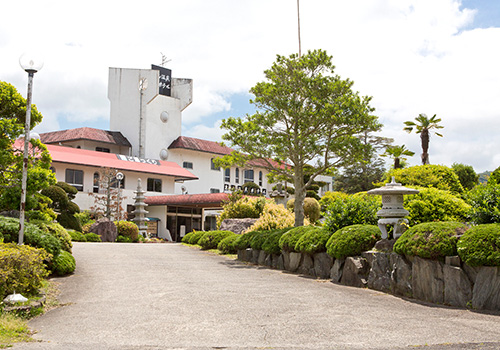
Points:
point(227, 175)
point(187, 165)
point(237, 175)
point(212, 165)
point(95, 187)
point(102, 149)
point(248, 176)
point(154, 185)
point(75, 178)
point(214, 190)
point(260, 178)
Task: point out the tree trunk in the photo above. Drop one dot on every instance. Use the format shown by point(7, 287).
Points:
point(300, 194)
point(424, 137)
point(397, 163)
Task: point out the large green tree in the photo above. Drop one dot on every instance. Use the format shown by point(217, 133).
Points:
point(423, 126)
point(12, 120)
point(306, 115)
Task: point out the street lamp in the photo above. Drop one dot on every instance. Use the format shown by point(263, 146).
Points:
point(31, 65)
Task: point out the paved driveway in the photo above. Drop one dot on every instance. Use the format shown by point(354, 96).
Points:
point(169, 296)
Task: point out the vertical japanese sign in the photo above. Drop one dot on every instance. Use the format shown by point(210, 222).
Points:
point(165, 80)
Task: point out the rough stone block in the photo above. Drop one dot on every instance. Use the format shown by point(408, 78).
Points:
point(295, 260)
point(336, 271)
point(471, 272)
point(236, 225)
point(486, 292)
point(255, 256)
point(322, 265)
point(280, 263)
point(307, 266)
point(379, 277)
point(241, 255)
point(105, 229)
point(261, 260)
point(428, 280)
point(457, 286)
point(385, 245)
point(401, 277)
point(453, 261)
point(355, 272)
point(286, 260)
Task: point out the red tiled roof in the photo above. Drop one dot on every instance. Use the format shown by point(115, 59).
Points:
point(200, 145)
point(206, 200)
point(71, 155)
point(212, 147)
point(112, 137)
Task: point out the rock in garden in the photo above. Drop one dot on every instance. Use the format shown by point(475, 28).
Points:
point(428, 280)
point(106, 229)
point(401, 275)
point(236, 225)
point(336, 271)
point(457, 286)
point(486, 295)
point(355, 272)
point(379, 277)
point(322, 265)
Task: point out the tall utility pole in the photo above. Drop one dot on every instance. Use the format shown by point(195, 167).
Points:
point(298, 20)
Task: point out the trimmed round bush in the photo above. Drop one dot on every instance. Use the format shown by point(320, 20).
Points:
point(243, 241)
point(480, 245)
point(289, 240)
point(226, 246)
point(123, 239)
point(312, 209)
point(127, 229)
point(258, 239)
point(211, 239)
point(430, 240)
point(352, 240)
point(313, 241)
point(193, 237)
point(77, 236)
point(272, 243)
point(92, 237)
point(432, 204)
point(64, 264)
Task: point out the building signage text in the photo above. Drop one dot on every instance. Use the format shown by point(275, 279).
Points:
point(164, 81)
point(138, 160)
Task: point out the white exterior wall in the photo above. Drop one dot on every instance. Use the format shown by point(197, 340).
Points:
point(125, 101)
point(85, 198)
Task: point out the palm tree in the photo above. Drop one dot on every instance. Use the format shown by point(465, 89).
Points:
point(422, 127)
point(398, 153)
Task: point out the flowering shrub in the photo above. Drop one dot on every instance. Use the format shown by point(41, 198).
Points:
point(127, 229)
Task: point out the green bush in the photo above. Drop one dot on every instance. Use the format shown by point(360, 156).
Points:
point(226, 246)
point(329, 197)
point(351, 210)
point(258, 239)
point(429, 175)
point(211, 239)
point(430, 240)
point(39, 239)
point(92, 237)
point(84, 217)
point(313, 241)
point(484, 203)
point(480, 245)
point(275, 217)
point(432, 204)
point(289, 240)
point(352, 240)
point(21, 269)
point(57, 231)
point(494, 178)
point(466, 175)
point(127, 229)
point(68, 220)
point(272, 243)
point(239, 207)
point(77, 236)
point(123, 239)
point(64, 264)
point(193, 237)
point(243, 241)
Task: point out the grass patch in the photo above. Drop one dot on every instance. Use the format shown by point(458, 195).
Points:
point(13, 329)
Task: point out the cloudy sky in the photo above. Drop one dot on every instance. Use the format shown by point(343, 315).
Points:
point(413, 56)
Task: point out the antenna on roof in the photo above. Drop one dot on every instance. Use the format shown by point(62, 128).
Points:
point(164, 59)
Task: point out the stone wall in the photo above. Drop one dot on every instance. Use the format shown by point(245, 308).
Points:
point(451, 282)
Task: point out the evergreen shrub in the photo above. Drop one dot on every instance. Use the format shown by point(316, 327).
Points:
point(352, 240)
point(123, 239)
point(258, 239)
point(193, 237)
point(92, 237)
point(289, 240)
point(127, 229)
point(243, 241)
point(359, 208)
point(313, 241)
point(484, 203)
point(274, 217)
point(57, 231)
point(480, 245)
point(432, 204)
point(211, 239)
point(312, 208)
point(22, 269)
point(226, 246)
point(272, 243)
point(77, 236)
point(430, 240)
point(64, 264)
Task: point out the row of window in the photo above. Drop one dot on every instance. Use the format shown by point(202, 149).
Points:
point(74, 178)
point(248, 176)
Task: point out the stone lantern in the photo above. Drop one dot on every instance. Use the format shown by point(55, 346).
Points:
point(392, 212)
point(140, 211)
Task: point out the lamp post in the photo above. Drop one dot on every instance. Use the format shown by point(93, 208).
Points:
point(31, 65)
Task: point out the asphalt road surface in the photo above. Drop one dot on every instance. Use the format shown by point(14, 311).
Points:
point(169, 296)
